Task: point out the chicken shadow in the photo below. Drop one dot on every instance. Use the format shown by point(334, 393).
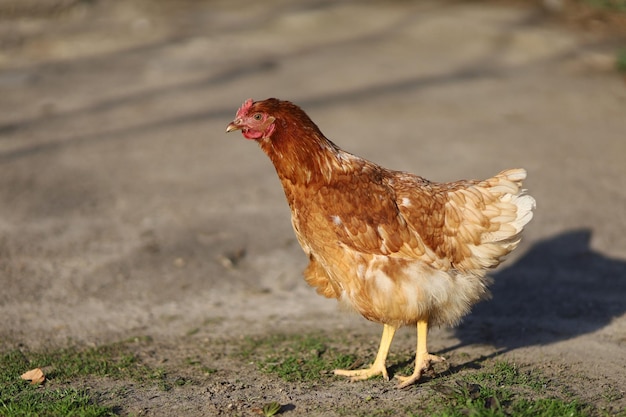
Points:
point(558, 290)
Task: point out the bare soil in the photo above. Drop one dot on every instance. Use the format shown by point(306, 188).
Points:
point(125, 210)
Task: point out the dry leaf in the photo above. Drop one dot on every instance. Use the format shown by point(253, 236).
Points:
point(35, 376)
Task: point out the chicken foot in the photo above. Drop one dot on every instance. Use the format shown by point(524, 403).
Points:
point(423, 359)
point(378, 367)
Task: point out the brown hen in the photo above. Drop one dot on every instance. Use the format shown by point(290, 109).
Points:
point(395, 247)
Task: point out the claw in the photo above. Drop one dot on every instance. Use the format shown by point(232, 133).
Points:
point(423, 363)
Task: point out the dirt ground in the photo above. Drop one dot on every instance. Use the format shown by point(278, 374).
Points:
point(125, 210)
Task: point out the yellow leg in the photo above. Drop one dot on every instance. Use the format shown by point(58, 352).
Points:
point(378, 367)
point(422, 358)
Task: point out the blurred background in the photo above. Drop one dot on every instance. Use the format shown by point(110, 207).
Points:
point(125, 208)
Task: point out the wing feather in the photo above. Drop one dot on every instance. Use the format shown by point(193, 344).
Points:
point(481, 219)
point(464, 225)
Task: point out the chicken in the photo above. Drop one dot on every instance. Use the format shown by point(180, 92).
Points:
point(394, 247)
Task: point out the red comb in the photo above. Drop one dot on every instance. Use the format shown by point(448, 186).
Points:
point(245, 107)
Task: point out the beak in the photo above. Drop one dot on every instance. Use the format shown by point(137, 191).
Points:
point(234, 125)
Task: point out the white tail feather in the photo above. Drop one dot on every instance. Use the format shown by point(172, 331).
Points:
point(515, 209)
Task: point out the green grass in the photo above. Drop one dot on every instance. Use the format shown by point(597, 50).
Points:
point(608, 5)
point(620, 61)
point(295, 358)
point(55, 398)
point(501, 390)
point(32, 401)
point(18, 398)
point(498, 389)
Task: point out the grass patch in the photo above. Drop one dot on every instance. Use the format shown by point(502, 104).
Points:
point(608, 5)
point(18, 398)
point(295, 358)
point(36, 401)
point(500, 390)
point(620, 61)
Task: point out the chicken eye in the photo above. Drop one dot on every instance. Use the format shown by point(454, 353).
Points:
point(257, 116)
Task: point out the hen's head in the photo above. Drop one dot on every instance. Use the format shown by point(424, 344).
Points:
point(287, 135)
point(254, 119)
point(271, 117)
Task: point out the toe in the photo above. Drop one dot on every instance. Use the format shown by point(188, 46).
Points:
point(422, 365)
point(406, 381)
point(434, 358)
point(361, 374)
